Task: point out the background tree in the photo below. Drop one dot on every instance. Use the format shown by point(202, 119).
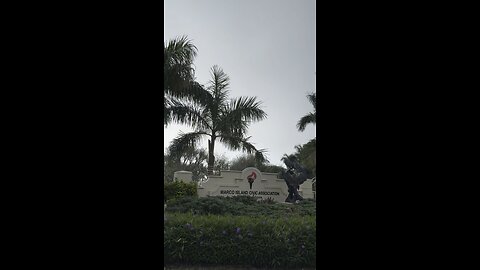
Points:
point(192, 160)
point(310, 118)
point(216, 117)
point(306, 155)
point(221, 164)
point(241, 162)
point(249, 160)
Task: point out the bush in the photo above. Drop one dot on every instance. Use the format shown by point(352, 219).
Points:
point(177, 189)
point(239, 206)
point(268, 200)
point(240, 240)
point(248, 200)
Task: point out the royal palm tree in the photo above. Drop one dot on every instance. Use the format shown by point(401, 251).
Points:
point(217, 117)
point(179, 74)
point(310, 118)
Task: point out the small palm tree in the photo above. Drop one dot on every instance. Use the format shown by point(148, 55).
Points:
point(216, 117)
point(178, 73)
point(310, 118)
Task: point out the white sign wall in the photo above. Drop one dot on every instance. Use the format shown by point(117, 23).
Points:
point(251, 182)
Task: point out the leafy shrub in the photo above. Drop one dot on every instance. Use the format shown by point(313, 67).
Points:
point(268, 200)
point(178, 189)
point(239, 206)
point(240, 240)
point(308, 200)
point(248, 200)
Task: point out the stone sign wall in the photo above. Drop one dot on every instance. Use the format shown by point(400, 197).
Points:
point(251, 182)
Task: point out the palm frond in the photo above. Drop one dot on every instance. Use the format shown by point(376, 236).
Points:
point(298, 148)
point(179, 50)
point(178, 68)
point(167, 116)
point(188, 113)
point(166, 112)
point(237, 115)
point(197, 93)
point(219, 84)
point(242, 144)
point(289, 160)
point(246, 108)
point(261, 156)
point(230, 125)
point(189, 90)
point(185, 141)
point(307, 119)
point(313, 100)
point(177, 78)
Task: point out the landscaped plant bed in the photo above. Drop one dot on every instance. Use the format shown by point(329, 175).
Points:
point(258, 241)
point(222, 267)
point(240, 206)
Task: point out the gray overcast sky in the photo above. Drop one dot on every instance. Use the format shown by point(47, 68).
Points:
point(267, 48)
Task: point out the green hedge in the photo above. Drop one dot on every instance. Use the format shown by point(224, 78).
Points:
point(177, 189)
point(239, 206)
point(240, 240)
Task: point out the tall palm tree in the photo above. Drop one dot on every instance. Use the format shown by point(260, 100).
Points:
point(217, 117)
point(179, 74)
point(310, 118)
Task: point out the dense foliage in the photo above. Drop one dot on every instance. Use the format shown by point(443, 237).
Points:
point(306, 156)
point(287, 242)
point(193, 160)
point(240, 205)
point(247, 160)
point(178, 189)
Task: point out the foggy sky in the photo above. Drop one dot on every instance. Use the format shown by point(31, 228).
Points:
point(267, 48)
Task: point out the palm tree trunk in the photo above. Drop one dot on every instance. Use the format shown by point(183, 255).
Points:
point(211, 157)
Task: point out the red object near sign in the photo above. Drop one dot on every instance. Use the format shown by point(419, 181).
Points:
point(251, 178)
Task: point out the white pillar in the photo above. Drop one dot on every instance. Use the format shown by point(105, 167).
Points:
point(183, 176)
point(306, 188)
